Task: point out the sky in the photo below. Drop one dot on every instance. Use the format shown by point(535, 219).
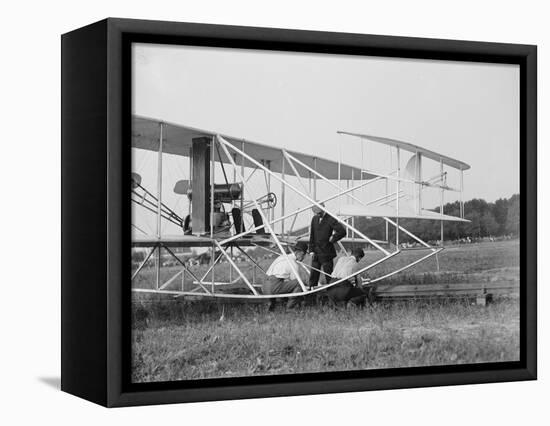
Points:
point(465, 110)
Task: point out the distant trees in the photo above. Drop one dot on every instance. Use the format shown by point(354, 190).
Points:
point(512, 215)
point(500, 212)
point(138, 256)
point(486, 220)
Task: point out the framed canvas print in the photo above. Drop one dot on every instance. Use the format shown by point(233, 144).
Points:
point(252, 212)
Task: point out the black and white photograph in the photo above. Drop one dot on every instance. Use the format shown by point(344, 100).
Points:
point(298, 212)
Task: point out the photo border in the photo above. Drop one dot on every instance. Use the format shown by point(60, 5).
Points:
point(114, 388)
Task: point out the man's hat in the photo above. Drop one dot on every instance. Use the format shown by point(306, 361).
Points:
point(300, 246)
point(358, 252)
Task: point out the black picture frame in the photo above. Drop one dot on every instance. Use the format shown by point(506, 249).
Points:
point(95, 210)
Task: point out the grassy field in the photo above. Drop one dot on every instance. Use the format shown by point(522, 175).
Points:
point(174, 340)
point(464, 263)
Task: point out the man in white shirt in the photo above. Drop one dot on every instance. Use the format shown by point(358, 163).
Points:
point(349, 290)
point(281, 278)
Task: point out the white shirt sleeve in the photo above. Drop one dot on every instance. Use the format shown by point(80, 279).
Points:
point(280, 267)
point(344, 267)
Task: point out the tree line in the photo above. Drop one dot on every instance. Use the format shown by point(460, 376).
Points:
point(497, 219)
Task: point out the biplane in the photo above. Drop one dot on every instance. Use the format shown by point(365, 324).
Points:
point(226, 214)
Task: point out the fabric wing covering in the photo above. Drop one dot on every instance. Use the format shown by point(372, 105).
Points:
point(178, 140)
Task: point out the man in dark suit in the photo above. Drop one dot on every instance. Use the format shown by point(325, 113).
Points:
point(325, 231)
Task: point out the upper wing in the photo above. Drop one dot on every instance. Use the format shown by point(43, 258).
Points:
point(178, 139)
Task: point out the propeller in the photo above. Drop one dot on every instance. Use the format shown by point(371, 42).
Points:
point(136, 180)
point(182, 187)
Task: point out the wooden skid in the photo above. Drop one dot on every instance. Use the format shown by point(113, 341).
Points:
point(387, 291)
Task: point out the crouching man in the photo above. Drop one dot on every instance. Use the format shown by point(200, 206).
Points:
point(349, 291)
point(281, 278)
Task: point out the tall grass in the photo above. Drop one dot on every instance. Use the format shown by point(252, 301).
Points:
point(190, 341)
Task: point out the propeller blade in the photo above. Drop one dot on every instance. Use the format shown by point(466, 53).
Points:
point(136, 180)
point(182, 187)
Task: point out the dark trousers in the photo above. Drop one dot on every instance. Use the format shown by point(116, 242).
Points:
point(274, 285)
point(326, 265)
point(347, 292)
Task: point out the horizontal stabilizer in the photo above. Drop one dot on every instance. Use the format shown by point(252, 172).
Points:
point(415, 149)
point(405, 212)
